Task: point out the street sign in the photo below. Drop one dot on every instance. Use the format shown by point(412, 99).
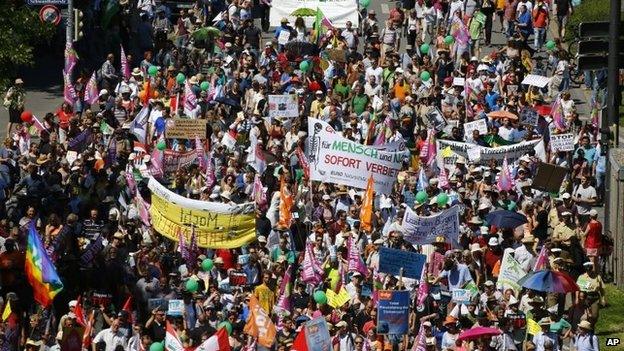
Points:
point(46, 2)
point(50, 14)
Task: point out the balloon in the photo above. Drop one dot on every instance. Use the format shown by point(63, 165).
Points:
point(364, 3)
point(304, 66)
point(157, 346)
point(421, 197)
point(180, 78)
point(204, 86)
point(320, 297)
point(192, 285)
point(152, 71)
point(227, 325)
point(161, 145)
point(449, 40)
point(160, 124)
point(26, 116)
point(550, 45)
point(207, 264)
point(442, 199)
point(424, 49)
point(425, 76)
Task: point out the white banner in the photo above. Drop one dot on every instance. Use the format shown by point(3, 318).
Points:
point(338, 160)
point(283, 106)
point(536, 80)
point(480, 125)
point(337, 11)
point(510, 273)
point(562, 142)
point(513, 152)
point(423, 230)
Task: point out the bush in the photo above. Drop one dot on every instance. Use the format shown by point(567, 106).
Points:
point(587, 11)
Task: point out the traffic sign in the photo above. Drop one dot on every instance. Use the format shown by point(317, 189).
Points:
point(46, 2)
point(50, 14)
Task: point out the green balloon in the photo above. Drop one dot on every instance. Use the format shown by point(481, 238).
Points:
point(364, 3)
point(161, 145)
point(424, 49)
point(304, 66)
point(550, 44)
point(207, 264)
point(449, 40)
point(320, 297)
point(421, 197)
point(442, 199)
point(180, 78)
point(192, 285)
point(152, 71)
point(227, 325)
point(425, 76)
point(204, 86)
point(157, 346)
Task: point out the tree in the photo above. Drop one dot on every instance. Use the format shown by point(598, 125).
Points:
point(20, 31)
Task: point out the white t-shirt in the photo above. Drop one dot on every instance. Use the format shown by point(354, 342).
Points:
point(584, 194)
point(111, 339)
point(375, 72)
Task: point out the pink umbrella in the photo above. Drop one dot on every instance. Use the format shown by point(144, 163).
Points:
point(478, 332)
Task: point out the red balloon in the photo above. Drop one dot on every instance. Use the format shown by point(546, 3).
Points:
point(27, 116)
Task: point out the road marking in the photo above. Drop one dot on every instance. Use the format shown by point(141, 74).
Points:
point(385, 9)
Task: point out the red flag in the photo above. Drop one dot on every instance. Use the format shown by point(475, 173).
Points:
point(79, 312)
point(300, 342)
point(86, 337)
point(366, 212)
point(303, 161)
point(128, 308)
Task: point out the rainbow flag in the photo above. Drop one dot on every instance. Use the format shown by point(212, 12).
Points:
point(40, 271)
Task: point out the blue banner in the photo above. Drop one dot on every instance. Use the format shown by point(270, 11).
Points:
point(391, 261)
point(393, 312)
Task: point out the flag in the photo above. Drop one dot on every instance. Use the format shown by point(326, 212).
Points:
point(128, 308)
point(312, 273)
point(286, 202)
point(366, 212)
point(303, 161)
point(383, 131)
point(260, 163)
point(211, 179)
point(40, 271)
point(300, 342)
point(459, 31)
point(443, 179)
point(190, 100)
point(259, 194)
point(423, 287)
point(138, 127)
point(125, 67)
point(504, 180)
point(86, 336)
point(423, 182)
point(156, 163)
point(201, 154)
point(143, 208)
point(219, 341)
point(431, 147)
point(37, 124)
point(321, 25)
point(556, 112)
point(595, 114)
point(182, 248)
point(420, 341)
point(283, 301)
point(7, 311)
point(259, 324)
point(79, 312)
point(542, 259)
point(355, 262)
point(91, 94)
point(172, 340)
point(70, 57)
point(69, 92)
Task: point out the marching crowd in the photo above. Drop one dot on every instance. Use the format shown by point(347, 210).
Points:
point(77, 178)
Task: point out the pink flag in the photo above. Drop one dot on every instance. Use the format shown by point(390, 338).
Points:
point(69, 92)
point(355, 260)
point(190, 100)
point(182, 247)
point(303, 161)
point(130, 182)
point(312, 272)
point(443, 182)
point(431, 148)
point(156, 163)
point(557, 114)
point(37, 123)
point(283, 301)
point(143, 208)
point(91, 91)
point(211, 179)
point(125, 67)
point(504, 179)
point(420, 341)
point(542, 259)
point(201, 154)
point(258, 193)
point(70, 58)
point(423, 287)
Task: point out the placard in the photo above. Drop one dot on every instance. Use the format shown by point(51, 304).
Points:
point(435, 119)
point(338, 12)
point(549, 177)
point(510, 273)
point(317, 335)
point(536, 80)
point(513, 152)
point(174, 160)
point(283, 37)
point(479, 124)
point(391, 261)
point(185, 128)
point(285, 105)
point(337, 300)
point(152, 304)
point(461, 296)
point(175, 308)
point(393, 311)
point(238, 278)
point(562, 142)
point(474, 154)
point(421, 230)
point(528, 116)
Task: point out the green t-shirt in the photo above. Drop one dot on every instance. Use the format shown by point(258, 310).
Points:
point(359, 103)
point(343, 90)
point(560, 326)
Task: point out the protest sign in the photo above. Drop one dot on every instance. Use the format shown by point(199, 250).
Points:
point(420, 230)
point(393, 311)
point(338, 160)
point(217, 225)
point(459, 81)
point(536, 80)
point(479, 124)
point(152, 304)
point(474, 153)
point(435, 119)
point(317, 335)
point(184, 128)
point(175, 308)
point(461, 296)
point(174, 160)
point(283, 106)
point(337, 300)
point(391, 261)
point(283, 37)
point(562, 142)
point(528, 116)
point(549, 177)
point(338, 12)
point(487, 154)
point(89, 254)
point(238, 278)
point(510, 273)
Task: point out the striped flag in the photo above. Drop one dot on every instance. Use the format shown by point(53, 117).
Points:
point(172, 340)
point(219, 341)
point(504, 180)
point(69, 92)
point(91, 94)
point(190, 100)
point(40, 271)
point(542, 259)
point(125, 67)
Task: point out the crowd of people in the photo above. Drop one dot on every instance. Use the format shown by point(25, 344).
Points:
point(79, 176)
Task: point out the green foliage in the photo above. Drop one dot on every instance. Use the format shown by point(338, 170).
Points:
point(587, 11)
point(612, 317)
point(20, 30)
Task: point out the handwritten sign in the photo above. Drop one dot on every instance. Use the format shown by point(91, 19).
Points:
point(185, 128)
point(391, 261)
point(285, 105)
point(480, 125)
point(420, 230)
point(562, 142)
point(176, 307)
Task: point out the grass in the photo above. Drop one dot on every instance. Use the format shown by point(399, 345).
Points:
point(611, 321)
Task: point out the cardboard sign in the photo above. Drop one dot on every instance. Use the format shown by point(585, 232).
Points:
point(337, 300)
point(393, 312)
point(175, 308)
point(562, 142)
point(421, 230)
point(391, 261)
point(187, 129)
point(549, 177)
point(536, 80)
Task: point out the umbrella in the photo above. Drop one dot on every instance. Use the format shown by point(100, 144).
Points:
point(502, 114)
point(549, 281)
point(304, 12)
point(505, 219)
point(478, 332)
point(205, 33)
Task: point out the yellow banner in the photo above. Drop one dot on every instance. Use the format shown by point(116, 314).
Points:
point(337, 300)
point(225, 228)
